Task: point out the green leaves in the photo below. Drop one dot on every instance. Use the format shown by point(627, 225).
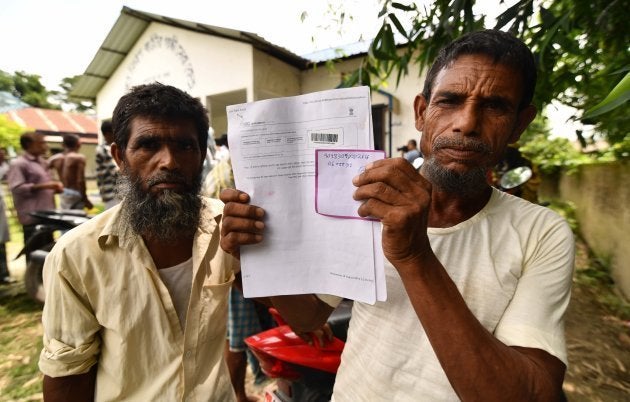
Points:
point(577, 44)
point(618, 96)
point(553, 155)
point(384, 46)
point(10, 133)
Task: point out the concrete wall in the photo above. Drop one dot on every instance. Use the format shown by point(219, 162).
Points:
point(601, 195)
point(273, 78)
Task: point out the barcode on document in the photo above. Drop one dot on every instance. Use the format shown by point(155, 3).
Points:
point(325, 137)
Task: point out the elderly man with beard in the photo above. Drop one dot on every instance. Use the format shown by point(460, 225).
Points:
point(136, 298)
point(477, 280)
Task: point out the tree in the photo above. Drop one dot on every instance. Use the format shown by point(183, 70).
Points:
point(75, 104)
point(581, 47)
point(28, 88)
point(10, 133)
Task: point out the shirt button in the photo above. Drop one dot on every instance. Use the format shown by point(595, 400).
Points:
point(188, 354)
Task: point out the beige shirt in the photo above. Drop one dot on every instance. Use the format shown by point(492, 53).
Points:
point(512, 262)
point(106, 305)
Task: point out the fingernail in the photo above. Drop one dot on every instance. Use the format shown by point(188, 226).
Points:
point(259, 225)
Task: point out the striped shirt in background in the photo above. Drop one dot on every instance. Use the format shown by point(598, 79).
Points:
point(106, 173)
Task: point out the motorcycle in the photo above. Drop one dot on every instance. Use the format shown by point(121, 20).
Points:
point(41, 242)
point(303, 371)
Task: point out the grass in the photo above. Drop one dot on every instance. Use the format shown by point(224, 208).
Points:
point(20, 321)
point(20, 344)
point(596, 275)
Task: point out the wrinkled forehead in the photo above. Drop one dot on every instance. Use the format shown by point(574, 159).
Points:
point(162, 126)
point(480, 74)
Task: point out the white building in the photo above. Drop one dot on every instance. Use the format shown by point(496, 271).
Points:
point(222, 67)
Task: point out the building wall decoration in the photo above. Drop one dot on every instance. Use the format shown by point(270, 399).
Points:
point(165, 51)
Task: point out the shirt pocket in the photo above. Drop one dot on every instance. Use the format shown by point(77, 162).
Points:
point(214, 308)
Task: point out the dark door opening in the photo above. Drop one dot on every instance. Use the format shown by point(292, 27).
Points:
point(378, 124)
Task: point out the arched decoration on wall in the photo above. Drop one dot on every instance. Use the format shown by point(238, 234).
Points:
point(161, 58)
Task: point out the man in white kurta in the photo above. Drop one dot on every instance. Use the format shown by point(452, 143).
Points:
point(478, 281)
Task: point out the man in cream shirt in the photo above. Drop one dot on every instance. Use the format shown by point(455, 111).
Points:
point(478, 281)
point(136, 298)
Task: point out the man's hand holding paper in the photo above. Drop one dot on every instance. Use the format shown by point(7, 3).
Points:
point(393, 192)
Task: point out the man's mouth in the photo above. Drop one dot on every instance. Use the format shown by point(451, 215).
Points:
point(168, 185)
point(461, 149)
point(167, 182)
point(460, 152)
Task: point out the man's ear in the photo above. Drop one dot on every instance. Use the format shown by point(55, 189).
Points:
point(419, 107)
point(116, 154)
point(525, 116)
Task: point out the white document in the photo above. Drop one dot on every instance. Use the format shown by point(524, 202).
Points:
point(272, 146)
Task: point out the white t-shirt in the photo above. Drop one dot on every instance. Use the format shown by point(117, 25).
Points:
point(178, 281)
point(513, 264)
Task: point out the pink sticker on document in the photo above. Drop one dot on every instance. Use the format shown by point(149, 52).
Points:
point(334, 171)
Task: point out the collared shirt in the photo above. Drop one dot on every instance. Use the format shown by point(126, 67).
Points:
point(106, 173)
point(106, 305)
point(24, 172)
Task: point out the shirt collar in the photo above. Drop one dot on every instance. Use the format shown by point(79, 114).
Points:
point(30, 156)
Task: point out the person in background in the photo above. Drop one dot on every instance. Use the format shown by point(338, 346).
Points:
point(71, 171)
point(136, 297)
point(55, 162)
point(106, 169)
point(411, 153)
point(4, 164)
point(30, 182)
point(5, 276)
point(222, 148)
point(478, 281)
point(209, 163)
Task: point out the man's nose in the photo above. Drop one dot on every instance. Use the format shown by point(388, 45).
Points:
point(167, 159)
point(467, 120)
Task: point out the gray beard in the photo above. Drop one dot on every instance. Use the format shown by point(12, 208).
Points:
point(466, 184)
point(167, 216)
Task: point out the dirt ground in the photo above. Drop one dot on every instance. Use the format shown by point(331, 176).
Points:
point(598, 342)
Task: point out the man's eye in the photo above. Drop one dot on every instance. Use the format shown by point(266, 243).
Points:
point(445, 101)
point(187, 145)
point(147, 144)
point(496, 105)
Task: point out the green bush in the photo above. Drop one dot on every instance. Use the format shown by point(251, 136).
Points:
point(553, 155)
